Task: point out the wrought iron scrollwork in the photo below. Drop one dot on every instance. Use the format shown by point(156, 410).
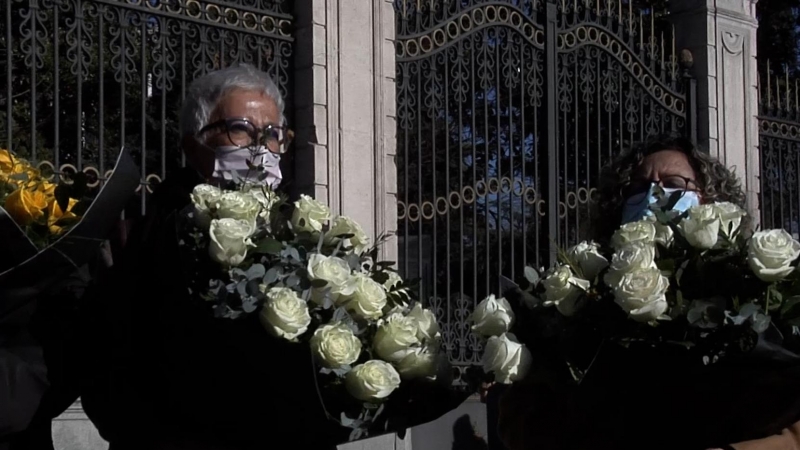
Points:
point(86, 77)
point(474, 127)
point(779, 143)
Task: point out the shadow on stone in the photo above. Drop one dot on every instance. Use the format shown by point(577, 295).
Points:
point(464, 437)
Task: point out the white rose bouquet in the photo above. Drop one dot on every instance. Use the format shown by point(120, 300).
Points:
point(313, 279)
point(680, 319)
point(697, 280)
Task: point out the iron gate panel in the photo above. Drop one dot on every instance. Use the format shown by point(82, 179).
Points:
point(506, 110)
point(85, 77)
point(779, 143)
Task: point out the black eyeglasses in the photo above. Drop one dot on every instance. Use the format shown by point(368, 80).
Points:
point(677, 182)
point(244, 133)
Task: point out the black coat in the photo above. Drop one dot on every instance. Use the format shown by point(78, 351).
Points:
point(161, 369)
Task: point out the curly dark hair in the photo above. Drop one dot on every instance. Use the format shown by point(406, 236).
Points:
point(717, 183)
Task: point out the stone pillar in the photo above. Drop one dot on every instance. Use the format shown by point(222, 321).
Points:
point(721, 34)
point(345, 110)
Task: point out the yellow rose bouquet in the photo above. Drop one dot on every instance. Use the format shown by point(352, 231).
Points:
point(47, 230)
point(31, 200)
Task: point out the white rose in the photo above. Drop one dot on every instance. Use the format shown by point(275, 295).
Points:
point(641, 294)
point(230, 239)
point(204, 197)
point(373, 380)
point(701, 227)
point(367, 298)
point(730, 217)
point(394, 337)
point(492, 316)
point(420, 362)
point(642, 231)
point(284, 314)
point(507, 358)
point(427, 326)
point(266, 197)
point(587, 256)
point(309, 214)
point(335, 345)
point(346, 226)
point(335, 271)
point(627, 259)
point(771, 254)
point(562, 289)
point(238, 205)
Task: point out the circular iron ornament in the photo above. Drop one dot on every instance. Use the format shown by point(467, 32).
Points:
point(506, 185)
point(92, 173)
point(455, 204)
point(442, 206)
point(412, 49)
point(42, 164)
point(562, 210)
point(503, 14)
point(468, 194)
point(425, 44)
point(494, 185)
point(583, 195)
point(530, 195)
point(466, 23)
point(152, 180)
point(401, 210)
point(478, 17)
point(452, 30)
point(428, 211)
point(480, 188)
point(519, 184)
point(491, 13)
point(400, 49)
point(439, 37)
point(68, 171)
point(516, 19)
point(108, 174)
point(593, 195)
point(194, 9)
point(413, 212)
point(540, 208)
point(213, 13)
point(572, 200)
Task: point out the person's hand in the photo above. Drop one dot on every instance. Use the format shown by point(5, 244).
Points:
point(484, 390)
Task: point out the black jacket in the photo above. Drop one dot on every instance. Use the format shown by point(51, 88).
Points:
point(159, 367)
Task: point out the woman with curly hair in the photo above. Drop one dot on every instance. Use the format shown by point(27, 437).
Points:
point(656, 408)
point(627, 184)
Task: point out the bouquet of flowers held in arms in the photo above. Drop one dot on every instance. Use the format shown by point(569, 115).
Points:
point(48, 229)
point(314, 280)
point(688, 322)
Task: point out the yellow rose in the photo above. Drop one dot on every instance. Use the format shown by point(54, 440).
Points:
point(7, 161)
point(26, 206)
point(56, 218)
point(49, 189)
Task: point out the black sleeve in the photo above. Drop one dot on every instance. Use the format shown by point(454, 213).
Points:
point(23, 375)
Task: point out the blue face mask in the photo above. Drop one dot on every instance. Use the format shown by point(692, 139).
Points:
point(638, 207)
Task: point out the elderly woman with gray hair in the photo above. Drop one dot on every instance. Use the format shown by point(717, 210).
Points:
point(161, 371)
point(642, 399)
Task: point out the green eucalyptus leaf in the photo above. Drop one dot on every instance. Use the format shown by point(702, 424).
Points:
point(531, 275)
point(272, 275)
point(255, 271)
point(292, 280)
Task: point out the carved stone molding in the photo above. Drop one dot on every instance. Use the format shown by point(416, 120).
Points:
point(733, 42)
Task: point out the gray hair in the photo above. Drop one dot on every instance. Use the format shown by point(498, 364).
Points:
point(205, 92)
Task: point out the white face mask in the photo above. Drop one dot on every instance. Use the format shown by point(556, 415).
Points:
point(228, 159)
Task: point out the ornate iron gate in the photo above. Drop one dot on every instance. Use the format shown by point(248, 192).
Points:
point(779, 141)
point(506, 111)
point(85, 77)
